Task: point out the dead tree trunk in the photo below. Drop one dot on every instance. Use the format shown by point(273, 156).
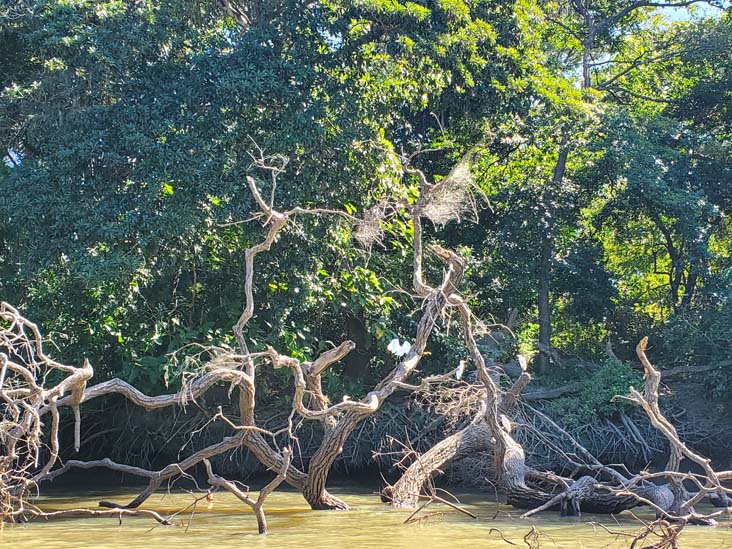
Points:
point(314, 490)
point(671, 501)
point(473, 438)
point(341, 419)
point(492, 428)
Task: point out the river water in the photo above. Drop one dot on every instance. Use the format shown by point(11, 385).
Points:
point(227, 523)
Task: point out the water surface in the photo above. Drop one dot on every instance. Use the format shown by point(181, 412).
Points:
point(370, 524)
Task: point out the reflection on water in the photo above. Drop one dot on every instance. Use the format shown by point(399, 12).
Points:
point(370, 524)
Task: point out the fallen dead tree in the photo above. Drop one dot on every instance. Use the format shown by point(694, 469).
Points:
point(33, 388)
point(604, 490)
point(29, 394)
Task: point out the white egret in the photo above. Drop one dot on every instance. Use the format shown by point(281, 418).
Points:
point(460, 370)
point(397, 348)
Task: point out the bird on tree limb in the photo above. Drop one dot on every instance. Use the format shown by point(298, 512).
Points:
point(397, 348)
point(460, 370)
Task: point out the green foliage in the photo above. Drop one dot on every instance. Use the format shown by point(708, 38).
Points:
point(701, 337)
point(598, 398)
point(129, 128)
point(133, 125)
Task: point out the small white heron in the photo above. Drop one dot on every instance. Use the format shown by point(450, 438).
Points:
point(397, 348)
point(460, 370)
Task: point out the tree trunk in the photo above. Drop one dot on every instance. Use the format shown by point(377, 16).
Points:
point(587, 45)
point(545, 260)
point(586, 59)
point(314, 489)
point(689, 288)
point(545, 324)
point(580, 496)
point(294, 477)
point(471, 439)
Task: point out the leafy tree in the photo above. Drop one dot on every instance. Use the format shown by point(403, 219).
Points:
point(133, 126)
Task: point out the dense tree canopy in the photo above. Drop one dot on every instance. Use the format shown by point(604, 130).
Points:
point(598, 133)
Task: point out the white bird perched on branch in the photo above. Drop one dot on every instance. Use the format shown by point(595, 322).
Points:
point(460, 370)
point(398, 349)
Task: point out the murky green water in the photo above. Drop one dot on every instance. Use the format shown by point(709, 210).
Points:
point(370, 524)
